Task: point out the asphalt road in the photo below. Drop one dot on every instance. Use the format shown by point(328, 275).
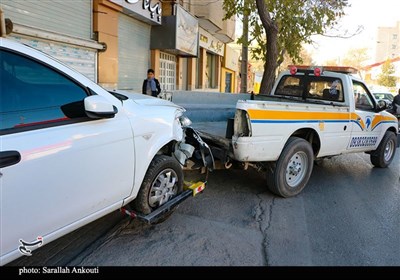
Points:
point(347, 215)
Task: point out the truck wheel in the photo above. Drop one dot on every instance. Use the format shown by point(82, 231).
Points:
point(289, 175)
point(162, 182)
point(386, 150)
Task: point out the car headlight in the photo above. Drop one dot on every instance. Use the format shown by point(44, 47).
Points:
point(185, 122)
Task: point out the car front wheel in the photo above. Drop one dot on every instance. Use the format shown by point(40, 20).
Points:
point(162, 182)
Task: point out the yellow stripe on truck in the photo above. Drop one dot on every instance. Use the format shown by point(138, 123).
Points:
point(275, 115)
point(293, 115)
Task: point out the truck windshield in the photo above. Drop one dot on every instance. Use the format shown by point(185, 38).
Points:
point(311, 87)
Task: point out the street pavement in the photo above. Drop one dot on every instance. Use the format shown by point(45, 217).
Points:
point(348, 215)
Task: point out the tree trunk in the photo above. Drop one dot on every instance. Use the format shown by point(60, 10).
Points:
point(270, 66)
point(245, 50)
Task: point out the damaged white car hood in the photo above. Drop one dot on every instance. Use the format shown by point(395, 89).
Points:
point(146, 100)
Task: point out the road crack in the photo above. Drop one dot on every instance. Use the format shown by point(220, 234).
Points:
point(99, 243)
point(264, 224)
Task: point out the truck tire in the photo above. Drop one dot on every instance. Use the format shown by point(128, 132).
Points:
point(162, 182)
point(289, 175)
point(386, 150)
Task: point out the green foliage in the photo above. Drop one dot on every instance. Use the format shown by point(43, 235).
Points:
point(305, 58)
point(387, 78)
point(356, 58)
point(297, 21)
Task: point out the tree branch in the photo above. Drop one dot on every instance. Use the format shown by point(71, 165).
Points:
point(346, 34)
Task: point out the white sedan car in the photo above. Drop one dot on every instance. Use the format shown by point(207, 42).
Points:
point(72, 152)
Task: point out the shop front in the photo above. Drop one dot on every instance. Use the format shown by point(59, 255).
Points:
point(209, 63)
point(59, 29)
point(230, 70)
point(128, 39)
point(174, 44)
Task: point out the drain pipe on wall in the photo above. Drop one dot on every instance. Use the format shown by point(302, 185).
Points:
point(2, 24)
point(6, 25)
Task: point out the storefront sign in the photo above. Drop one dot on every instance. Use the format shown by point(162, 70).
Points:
point(187, 29)
point(211, 43)
point(232, 59)
point(147, 10)
point(179, 34)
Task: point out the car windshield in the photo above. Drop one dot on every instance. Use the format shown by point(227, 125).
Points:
point(387, 96)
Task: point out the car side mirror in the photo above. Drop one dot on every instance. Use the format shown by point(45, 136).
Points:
point(98, 107)
point(381, 105)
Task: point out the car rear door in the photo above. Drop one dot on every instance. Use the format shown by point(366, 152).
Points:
point(58, 167)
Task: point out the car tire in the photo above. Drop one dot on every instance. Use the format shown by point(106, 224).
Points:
point(289, 175)
point(386, 150)
point(162, 182)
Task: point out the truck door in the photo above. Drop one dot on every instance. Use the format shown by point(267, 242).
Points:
point(366, 127)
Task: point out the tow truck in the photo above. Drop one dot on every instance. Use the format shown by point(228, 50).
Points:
point(312, 113)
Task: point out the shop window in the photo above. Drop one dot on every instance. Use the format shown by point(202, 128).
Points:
point(199, 72)
point(212, 71)
point(228, 82)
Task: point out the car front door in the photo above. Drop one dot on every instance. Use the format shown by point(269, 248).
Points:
point(366, 128)
point(59, 168)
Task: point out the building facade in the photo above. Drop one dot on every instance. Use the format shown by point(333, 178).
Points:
point(215, 69)
point(50, 29)
point(184, 43)
point(114, 42)
point(124, 26)
point(388, 42)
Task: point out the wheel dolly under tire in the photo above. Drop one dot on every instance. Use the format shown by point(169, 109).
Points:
point(190, 189)
point(160, 212)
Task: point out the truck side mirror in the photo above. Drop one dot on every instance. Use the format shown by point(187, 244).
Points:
point(381, 105)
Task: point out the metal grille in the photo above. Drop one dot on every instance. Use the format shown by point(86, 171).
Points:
point(167, 71)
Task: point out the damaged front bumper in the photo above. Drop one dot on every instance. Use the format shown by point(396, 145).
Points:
point(194, 148)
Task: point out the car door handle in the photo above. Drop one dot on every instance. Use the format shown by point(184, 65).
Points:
point(8, 158)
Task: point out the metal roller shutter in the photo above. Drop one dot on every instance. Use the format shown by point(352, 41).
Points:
point(73, 17)
point(133, 52)
point(84, 60)
point(65, 20)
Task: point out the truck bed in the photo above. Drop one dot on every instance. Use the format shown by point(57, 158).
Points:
point(214, 133)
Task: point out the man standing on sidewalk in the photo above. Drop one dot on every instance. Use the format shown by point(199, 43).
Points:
point(396, 103)
point(151, 86)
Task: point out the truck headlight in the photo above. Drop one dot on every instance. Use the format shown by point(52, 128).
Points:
point(185, 122)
